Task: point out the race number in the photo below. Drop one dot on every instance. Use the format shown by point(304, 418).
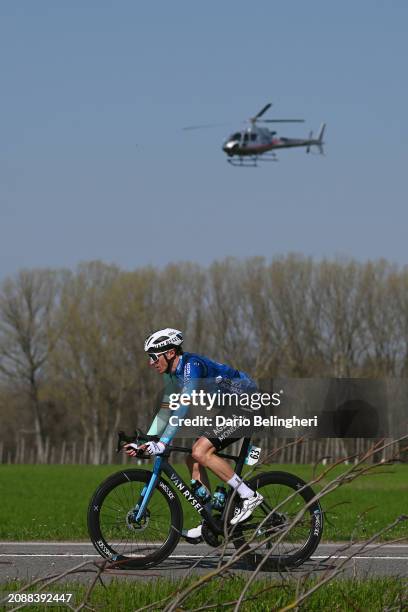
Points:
point(253, 455)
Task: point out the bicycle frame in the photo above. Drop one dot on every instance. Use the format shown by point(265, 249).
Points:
point(161, 464)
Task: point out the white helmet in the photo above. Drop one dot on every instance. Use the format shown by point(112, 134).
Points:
point(163, 340)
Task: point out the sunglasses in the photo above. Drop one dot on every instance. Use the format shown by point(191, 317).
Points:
point(154, 357)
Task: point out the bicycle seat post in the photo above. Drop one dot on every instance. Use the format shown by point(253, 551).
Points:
point(242, 455)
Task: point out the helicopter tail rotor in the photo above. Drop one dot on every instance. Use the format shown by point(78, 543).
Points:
point(320, 138)
point(318, 142)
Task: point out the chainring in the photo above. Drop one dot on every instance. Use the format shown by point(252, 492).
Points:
point(210, 537)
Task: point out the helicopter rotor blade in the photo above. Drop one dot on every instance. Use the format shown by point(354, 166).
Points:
point(203, 126)
point(282, 120)
point(261, 112)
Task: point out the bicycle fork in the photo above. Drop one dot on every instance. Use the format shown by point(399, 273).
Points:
point(143, 501)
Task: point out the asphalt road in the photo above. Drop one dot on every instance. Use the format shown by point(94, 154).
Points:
point(29, 560)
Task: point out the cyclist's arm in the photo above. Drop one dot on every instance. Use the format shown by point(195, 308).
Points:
point(194, 371)
point(163, 412)
point(159, 422)
point(171, 430)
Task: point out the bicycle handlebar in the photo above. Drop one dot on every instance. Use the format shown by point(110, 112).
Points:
point(139, 436)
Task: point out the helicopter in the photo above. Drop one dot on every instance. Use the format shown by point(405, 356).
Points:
point(247, 147)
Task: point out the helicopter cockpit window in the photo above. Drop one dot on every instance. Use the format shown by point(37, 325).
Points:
point(246, 137)
point(236, 136)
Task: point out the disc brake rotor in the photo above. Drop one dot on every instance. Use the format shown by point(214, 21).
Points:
point(139, 525)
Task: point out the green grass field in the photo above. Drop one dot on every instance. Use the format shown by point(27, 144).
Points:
point(373, 594)
point(50, 502)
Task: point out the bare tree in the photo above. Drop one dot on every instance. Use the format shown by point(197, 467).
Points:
point(27, 337)
point(400, 296)
point(91, 364)
point(380, 312)
point(342, 328)
point(228, 323)
point(291, 302)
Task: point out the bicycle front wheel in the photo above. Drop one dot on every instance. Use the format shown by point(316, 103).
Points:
point(112, 527)
point(285, 530)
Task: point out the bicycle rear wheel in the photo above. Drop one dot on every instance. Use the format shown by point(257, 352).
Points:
point(112, 527)
point(267, 532)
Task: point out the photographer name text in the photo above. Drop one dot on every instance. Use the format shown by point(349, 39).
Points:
point(239, 421)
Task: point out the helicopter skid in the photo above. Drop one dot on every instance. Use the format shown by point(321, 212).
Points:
point(252, 161)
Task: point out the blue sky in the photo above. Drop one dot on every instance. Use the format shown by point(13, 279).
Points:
point(94, 163)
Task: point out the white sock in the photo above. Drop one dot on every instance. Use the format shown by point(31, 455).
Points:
point(235, 481)
point(243, 491)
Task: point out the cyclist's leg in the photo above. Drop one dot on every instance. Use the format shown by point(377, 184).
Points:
point(196, 463)
point(213, 440)
point(204, 451)
point(198, 472)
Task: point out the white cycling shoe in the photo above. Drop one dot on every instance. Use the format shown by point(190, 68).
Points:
point(248, 506)
point(192, 536)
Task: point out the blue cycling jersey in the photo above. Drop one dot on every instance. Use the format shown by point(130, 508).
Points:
point(196, 372)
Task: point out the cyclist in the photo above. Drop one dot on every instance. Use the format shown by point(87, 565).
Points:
point(190, 372)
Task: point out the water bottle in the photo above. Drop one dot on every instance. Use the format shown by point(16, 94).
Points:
point(200, 491)
point(219, 497)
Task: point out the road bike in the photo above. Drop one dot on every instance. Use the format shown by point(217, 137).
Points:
point(135, 517)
